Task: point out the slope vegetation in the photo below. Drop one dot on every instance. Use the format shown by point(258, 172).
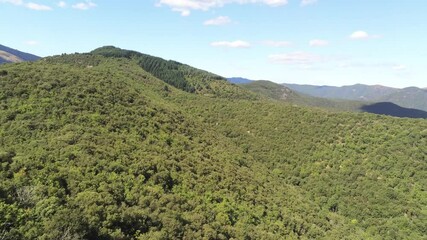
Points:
point(279, 92)
point(96, 147)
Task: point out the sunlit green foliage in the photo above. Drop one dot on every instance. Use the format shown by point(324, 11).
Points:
point(99, 148)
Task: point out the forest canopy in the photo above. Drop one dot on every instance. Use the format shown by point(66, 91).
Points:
point(115, 144)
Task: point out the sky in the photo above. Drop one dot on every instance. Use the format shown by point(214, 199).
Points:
point(320, 42)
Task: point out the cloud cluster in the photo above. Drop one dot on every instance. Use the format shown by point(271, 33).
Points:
point(186, 6)
point(29, 5)
point(31, 43)
point(40, 7)
point(84, 5)
point(318, 43)
point(277, 43)
point(296, 58)
point(221, 20)
point(362, 35)
point(232, 44)
point(308, 2)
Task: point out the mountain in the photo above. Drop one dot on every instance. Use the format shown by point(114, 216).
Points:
point(239, 80)
point(352, 92)
point(279, 92)
point(8, 55)
point(116, 144)
point(391, 109)
point(411, 97)
point(179, 75)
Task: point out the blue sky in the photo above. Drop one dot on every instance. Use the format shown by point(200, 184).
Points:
point(324, 42)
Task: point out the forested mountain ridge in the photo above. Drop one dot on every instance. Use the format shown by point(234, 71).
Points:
point(411, 97)
point(95, 147)
point(279, 92)
point(8, 55)
point(179, 75)
point(352, 92)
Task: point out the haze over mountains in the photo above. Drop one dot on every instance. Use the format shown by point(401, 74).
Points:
point(280, 92)
point(10, 55)
point(117, 144)
point(410, 97)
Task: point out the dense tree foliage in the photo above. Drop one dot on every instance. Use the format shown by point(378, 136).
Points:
point(94, 147)
point(179, 75)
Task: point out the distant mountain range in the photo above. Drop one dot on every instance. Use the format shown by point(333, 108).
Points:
point(282, 93)
point(239, 80)
point(352, 92)
point(10, 55)
point(411, 97)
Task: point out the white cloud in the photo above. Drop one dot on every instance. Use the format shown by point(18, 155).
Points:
point(278, 43)
point(359, 35)
point(374, 65)
point(31, 42)
point(295, 58)
point(362, 35)
point(62, 4)
point(221, 20)
point(37, 7)
point(233, 44)
point(14, 2)
point(399, 67)
point(318, 43)
point(308, 2)
point(186, 6)
point(84, 5)
point(29, 5)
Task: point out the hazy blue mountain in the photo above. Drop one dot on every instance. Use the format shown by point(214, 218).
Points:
point(411, 97)
point(8, 55)
point(239, 80)
point(282, 93)
point(391, 109)
point(352, 92)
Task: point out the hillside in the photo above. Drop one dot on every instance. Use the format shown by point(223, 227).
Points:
point(179, 75)
point(352, 92)
point(391, 109)
point(8, 55)
point(94, 146)
point(411, 97)
point(279, 92)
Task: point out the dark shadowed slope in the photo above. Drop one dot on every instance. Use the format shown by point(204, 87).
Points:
point(8, 55)
point(411, 97)
point(391, 109)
